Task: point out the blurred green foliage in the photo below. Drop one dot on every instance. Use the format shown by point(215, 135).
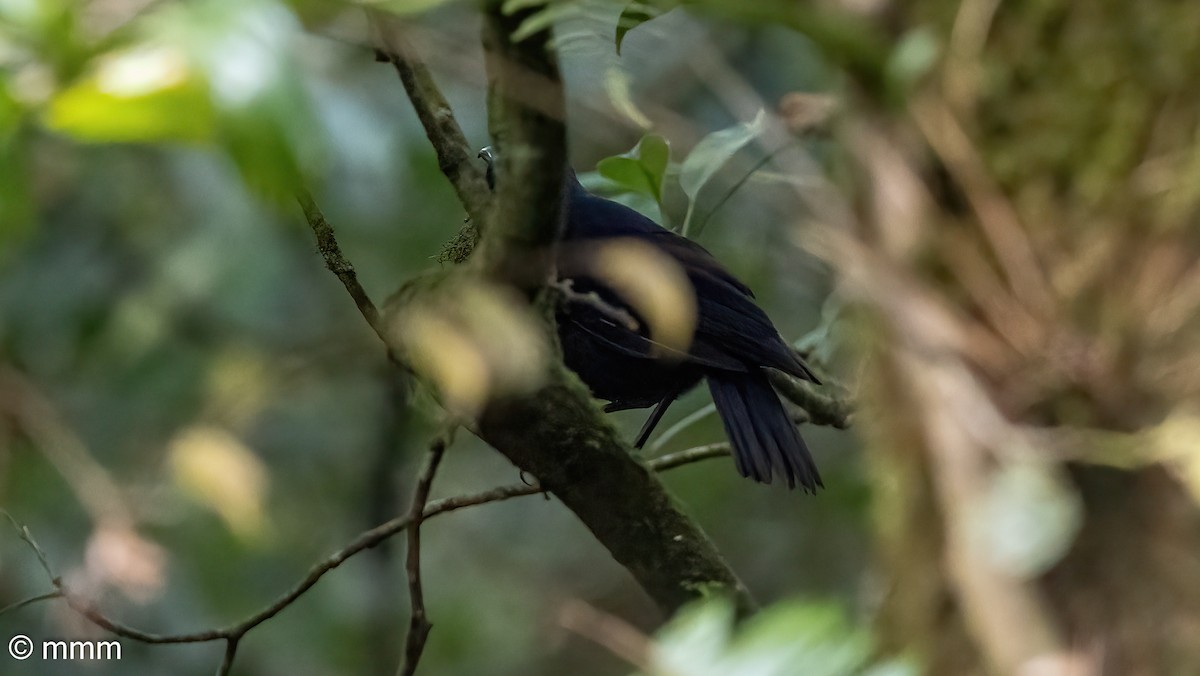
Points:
point(817, 638)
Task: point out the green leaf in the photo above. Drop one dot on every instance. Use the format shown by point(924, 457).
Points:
point(512, 6)
point(144, 94)
point(411, 7)
point(273, 139)
point(714, 150)
point(620, 94)
point(702, 640)
point(543, 19)
point(642, 203)
point(695, 640)
point(641, 170)
point(635, 14)
point(263, 153)
point(263, 116)
point(817, 635)
point(712, 153)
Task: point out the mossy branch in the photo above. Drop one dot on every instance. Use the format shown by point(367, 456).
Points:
point(556, 433)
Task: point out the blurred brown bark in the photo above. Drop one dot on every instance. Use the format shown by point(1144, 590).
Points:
point(1028, 241)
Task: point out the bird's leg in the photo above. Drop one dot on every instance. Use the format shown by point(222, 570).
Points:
point(656, 416)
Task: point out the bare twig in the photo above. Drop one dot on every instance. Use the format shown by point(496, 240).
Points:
point(27, 537)
point(686, 422)
point(231, 646)
point(337, 263)
point(681, 458)
point(419, 625)
point(30, 601)
point(366, 540)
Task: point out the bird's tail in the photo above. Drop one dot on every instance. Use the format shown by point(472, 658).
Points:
point(764, 438)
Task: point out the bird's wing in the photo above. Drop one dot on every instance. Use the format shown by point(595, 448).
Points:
point(631, 343)
point(695, 259)
point(730, 323)
point(732, 333)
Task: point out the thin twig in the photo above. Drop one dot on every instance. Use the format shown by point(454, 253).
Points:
point(231, 646)
point(419, 625)
point(365, 540)
point(30, 601)
point(337, 263)
point(24, 534)
point(689, 420)
point(762, 162)
point(681, 458)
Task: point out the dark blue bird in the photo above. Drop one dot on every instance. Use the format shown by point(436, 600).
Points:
point(732, 345)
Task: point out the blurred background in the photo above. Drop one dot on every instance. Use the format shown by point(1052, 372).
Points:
point(979, 218)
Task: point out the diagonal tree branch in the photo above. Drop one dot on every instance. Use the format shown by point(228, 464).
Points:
point(557, 434)
point(337, 263)
point(456, 159)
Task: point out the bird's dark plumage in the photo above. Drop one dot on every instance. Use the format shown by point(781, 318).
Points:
point(732, 346)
